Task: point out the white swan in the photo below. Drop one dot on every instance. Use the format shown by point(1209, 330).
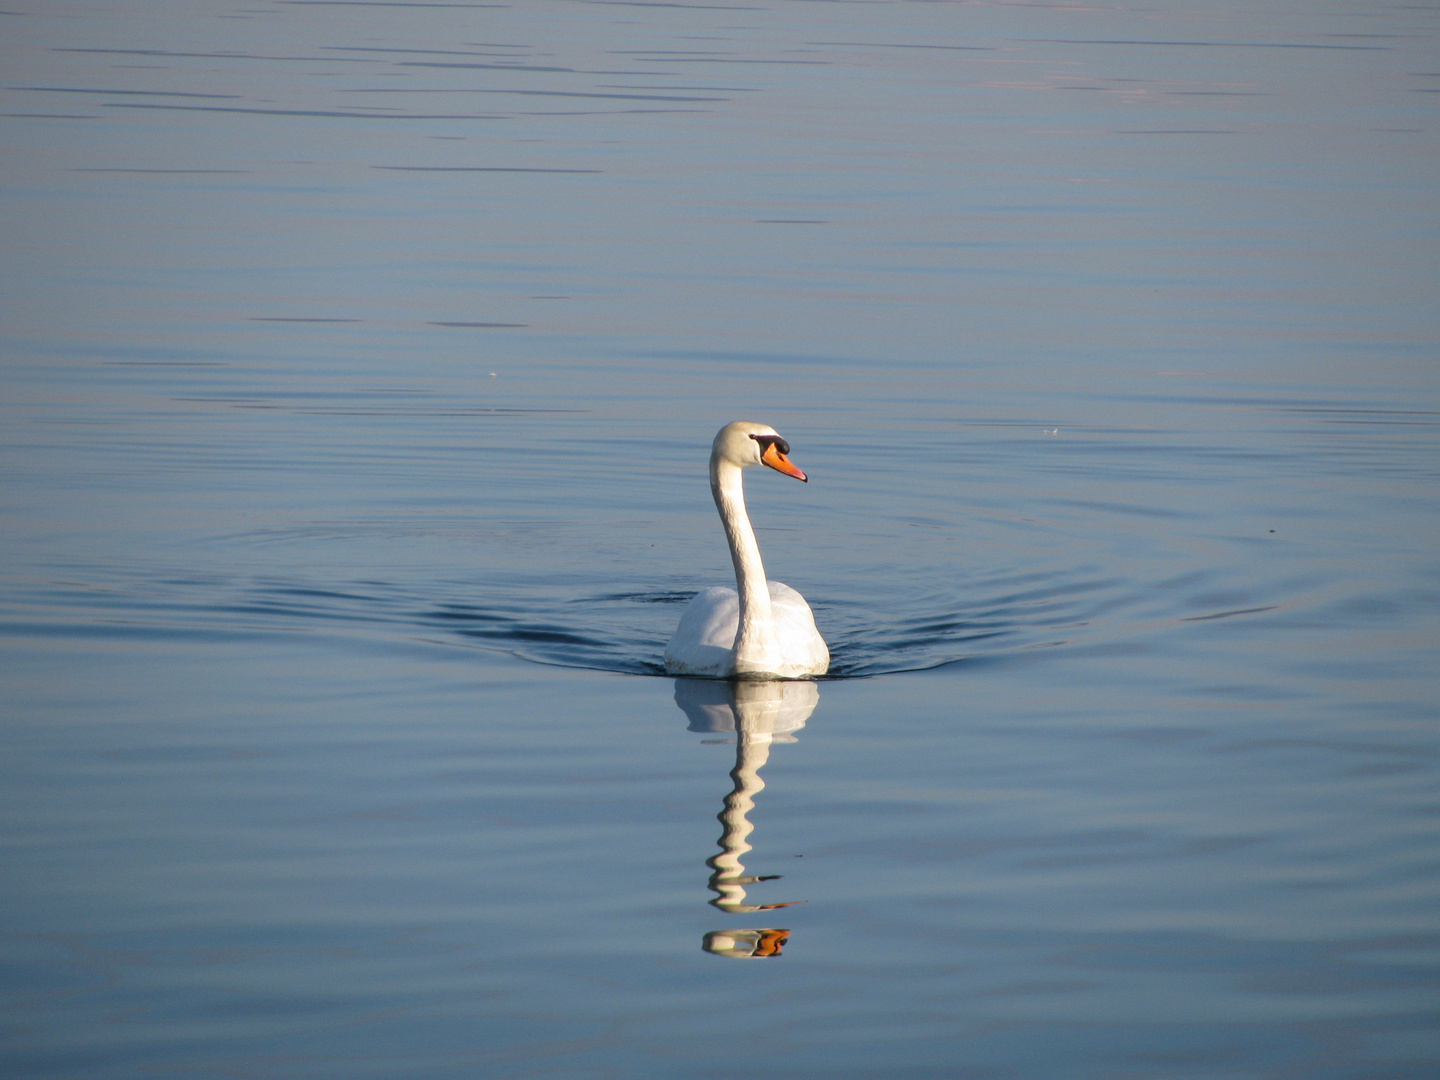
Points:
point(766, 630)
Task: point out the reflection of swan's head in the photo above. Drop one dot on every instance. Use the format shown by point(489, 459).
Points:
point(748, 707)
point(745, 944)
point(746, 443)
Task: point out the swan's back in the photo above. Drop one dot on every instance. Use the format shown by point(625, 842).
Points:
point(704, 642)
point(802, 649)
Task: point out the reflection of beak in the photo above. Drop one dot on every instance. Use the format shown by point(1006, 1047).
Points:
point(771, 942)
point(780, 463)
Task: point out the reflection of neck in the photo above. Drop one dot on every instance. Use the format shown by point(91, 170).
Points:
point(755, 646)
point(728, 880)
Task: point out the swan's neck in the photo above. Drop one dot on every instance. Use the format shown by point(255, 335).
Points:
point(756, 650)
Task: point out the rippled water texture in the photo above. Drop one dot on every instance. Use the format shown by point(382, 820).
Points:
point(360, 366)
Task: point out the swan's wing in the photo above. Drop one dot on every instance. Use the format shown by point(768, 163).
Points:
point(803, 649)
point(704, 642)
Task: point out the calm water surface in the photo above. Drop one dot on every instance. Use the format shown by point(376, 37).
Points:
point(360, 366)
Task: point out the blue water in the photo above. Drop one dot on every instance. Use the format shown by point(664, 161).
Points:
point(360, 365)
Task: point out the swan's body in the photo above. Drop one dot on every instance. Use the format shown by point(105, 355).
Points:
point(761, 629)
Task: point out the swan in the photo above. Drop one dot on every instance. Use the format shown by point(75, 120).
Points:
point(766, 629)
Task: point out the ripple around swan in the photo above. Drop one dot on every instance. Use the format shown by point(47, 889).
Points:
point(546, 637)
point(627, 632)
point(621, 632)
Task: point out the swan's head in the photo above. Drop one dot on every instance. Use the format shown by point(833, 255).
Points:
point(747, 443)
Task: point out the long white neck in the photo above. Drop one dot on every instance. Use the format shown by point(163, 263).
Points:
point(756, 649)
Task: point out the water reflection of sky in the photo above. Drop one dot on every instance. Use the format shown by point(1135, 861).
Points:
point(360, 363)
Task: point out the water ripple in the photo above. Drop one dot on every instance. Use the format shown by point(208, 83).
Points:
point(618, 631)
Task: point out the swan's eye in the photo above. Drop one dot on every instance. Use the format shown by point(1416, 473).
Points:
point(766, 441)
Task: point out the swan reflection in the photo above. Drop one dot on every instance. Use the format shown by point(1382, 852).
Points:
point(758, 714)
point(745, 944)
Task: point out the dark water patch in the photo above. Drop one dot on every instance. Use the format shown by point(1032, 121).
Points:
point(1231, 614)
point(646, 598)
point(131, 93)
point(385, 4)
point(612, 112)
point(1428, 417)
point(897, 45)
point(174, 172)
point(682, 7)
point(488, 67)
point(537, 93)
point(756, 359)
point(331, 113)
point(1250, 746)
point(476, 169)
point(59, 631)
point(705, 89)
point(1209, 44)
point(408, 52)
point(221, 55)
point(184, 754)
point(301, 404)
point(320, 594)
point(381, 410)
point(1174, 131)
point(1124, 508)
point(717, 60)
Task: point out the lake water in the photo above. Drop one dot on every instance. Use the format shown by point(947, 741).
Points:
point(361, 362)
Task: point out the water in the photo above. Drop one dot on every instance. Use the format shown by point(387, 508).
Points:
point(360, 367)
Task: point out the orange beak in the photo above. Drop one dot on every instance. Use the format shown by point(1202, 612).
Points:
point(780, 463)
